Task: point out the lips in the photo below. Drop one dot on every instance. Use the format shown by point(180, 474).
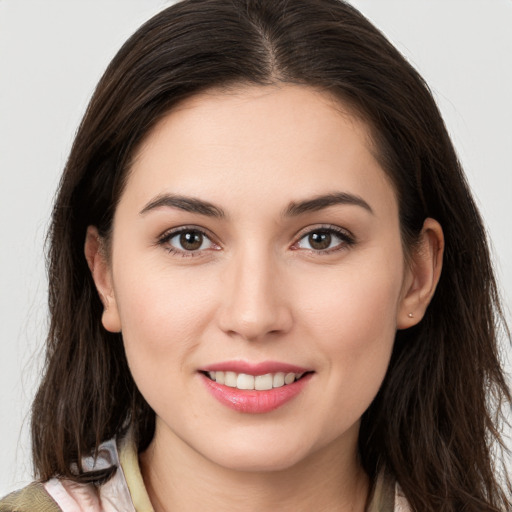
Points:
point(254, 388)
point(257, 382)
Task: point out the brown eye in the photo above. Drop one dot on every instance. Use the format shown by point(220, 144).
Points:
point(187, 241)
point(191, 240)
point(320, 240)
point(325, 240)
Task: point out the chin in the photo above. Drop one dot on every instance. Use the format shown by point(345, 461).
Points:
point(257, 455)
point(258, 462)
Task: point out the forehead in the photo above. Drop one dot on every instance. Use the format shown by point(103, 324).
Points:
point(259, 140)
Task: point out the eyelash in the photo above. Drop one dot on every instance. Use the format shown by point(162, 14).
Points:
point(169, 235)
point(345, 237)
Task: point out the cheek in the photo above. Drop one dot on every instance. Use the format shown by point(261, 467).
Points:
point(352, 317)
point(352, 301)
point(162, 316)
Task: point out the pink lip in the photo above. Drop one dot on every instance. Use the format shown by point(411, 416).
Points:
point(254, 368)
point(255, 402)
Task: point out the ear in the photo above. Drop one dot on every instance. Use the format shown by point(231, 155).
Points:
point(422, 275)
point(101, 273)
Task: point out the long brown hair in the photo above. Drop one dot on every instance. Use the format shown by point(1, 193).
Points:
point(435, 421)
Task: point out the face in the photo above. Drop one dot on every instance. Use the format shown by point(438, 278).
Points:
point(257, 245)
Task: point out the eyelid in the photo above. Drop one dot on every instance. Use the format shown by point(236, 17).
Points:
point(343, 234)
point(167, 235)
point(346, 237)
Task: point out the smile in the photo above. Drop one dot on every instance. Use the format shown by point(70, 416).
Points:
point(255, 389)
point(245, 381)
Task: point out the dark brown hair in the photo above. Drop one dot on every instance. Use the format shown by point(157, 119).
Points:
point(435, 421)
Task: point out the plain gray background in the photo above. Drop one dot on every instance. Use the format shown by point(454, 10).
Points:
point(53, 52)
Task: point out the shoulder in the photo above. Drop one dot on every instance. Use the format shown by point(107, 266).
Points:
point(55, 495)
point(30, 498)
point(64, 495)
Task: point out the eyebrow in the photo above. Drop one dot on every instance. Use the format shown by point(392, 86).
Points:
point(324, 201)
point(194, 205)
point(187, 204)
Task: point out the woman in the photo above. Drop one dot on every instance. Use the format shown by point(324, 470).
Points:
point(264, 192)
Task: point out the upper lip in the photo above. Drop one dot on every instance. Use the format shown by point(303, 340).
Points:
point(255, 369)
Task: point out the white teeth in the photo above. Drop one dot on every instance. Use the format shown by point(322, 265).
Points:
point(289, 378)
point(258, 382)
point(278, 380)
point(230, 379)
point(245, 381)
point(263, 382)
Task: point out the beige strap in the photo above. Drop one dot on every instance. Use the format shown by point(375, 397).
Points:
point(129, 459)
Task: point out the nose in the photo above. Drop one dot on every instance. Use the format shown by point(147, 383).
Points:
point(255, 305)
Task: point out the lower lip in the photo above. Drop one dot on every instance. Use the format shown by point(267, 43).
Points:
point(255, 402)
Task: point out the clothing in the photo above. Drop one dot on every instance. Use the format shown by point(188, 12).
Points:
point(125, 491)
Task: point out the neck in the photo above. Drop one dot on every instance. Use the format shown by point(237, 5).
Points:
point(178, 478)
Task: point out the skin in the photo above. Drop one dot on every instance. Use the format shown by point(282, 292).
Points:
point(257, 290)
